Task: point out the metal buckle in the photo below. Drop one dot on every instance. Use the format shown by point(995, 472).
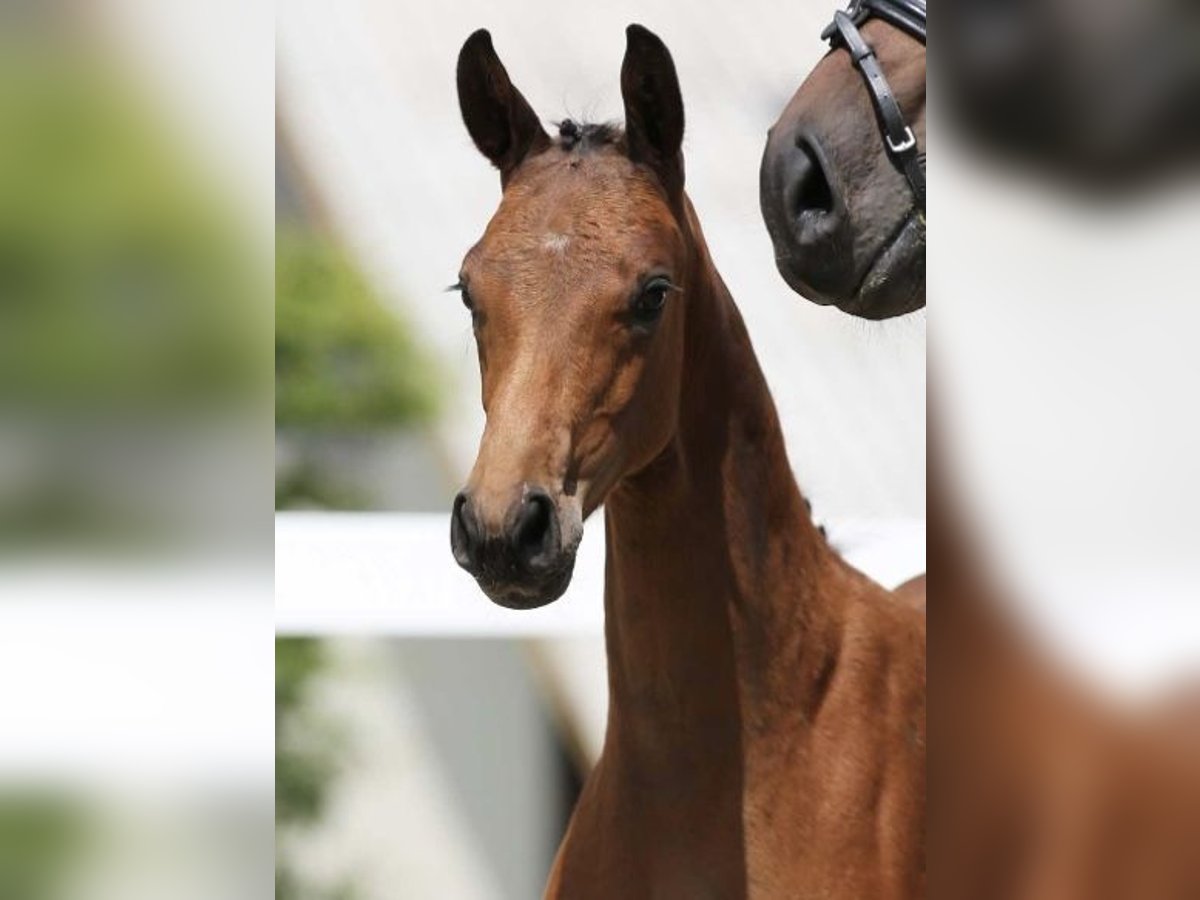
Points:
point(905, 145)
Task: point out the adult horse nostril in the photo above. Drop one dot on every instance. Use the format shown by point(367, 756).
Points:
point(535, 531)
point(464, 533)
point(809, 190)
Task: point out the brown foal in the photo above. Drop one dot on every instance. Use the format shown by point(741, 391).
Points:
point(766, 732)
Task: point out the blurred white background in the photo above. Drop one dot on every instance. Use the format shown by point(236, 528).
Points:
point(1065, 384)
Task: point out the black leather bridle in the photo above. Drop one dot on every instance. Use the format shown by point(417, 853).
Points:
point(909, 16)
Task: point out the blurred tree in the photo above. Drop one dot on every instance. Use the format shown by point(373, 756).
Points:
point(300, 773)
point(134, 314)
point(305, 752)
point(41, 838)
point(341, 359)
point(125, 285)
point(348, 375)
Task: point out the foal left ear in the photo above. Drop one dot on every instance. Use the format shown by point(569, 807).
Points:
point(500, 120)
point(653, 107)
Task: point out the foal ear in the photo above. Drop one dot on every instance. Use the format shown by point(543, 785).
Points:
point(501, 122)
point(653, 107)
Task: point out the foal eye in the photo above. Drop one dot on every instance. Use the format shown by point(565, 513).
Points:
point(649, 304)
point(465, 295)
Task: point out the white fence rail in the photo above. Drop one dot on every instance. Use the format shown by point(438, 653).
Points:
point(392, 573)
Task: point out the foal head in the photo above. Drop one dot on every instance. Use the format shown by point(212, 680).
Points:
point(840, 215)
point(576, 293)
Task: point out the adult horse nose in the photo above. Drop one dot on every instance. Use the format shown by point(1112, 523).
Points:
point(805, 216)
point(808, 196)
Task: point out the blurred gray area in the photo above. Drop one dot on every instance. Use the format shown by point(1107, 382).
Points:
point(388, 469)
point(486, 719)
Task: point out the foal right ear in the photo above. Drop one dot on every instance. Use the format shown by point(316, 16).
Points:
point(501, 122)
point(653, 107)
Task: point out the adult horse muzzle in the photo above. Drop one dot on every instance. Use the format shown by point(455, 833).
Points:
point(843, 177)
point(898, 137)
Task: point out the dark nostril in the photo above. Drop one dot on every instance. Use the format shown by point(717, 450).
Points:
point(534, 531)
point(810, 189)
point(464, 535)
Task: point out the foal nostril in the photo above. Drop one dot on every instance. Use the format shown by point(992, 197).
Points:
point(464, 532)
point(535, 531)
point(809, 190)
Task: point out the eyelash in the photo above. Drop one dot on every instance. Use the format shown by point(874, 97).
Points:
point(463, 293)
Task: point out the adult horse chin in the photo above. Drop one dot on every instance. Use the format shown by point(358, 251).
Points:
point(895, 282)
point(892, 285)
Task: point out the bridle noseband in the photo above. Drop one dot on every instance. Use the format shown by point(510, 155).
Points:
point(909, 16)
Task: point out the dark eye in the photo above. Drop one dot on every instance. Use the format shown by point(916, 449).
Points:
point(464, 294)
point(467, 300)
point(649, 304)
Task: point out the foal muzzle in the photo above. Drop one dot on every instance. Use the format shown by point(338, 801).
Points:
point(523, 562)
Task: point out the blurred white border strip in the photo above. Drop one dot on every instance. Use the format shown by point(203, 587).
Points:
point(136, 676)
point(392, 573)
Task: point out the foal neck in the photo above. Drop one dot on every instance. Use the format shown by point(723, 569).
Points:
point(716, 587)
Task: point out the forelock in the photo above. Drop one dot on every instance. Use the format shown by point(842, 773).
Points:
point(583, 137)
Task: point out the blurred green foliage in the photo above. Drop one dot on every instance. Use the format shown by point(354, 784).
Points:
point(341, 359)
point(310, 486)
point(301, 771)
point(41, 836)
point(306, 750)
point(124, 284)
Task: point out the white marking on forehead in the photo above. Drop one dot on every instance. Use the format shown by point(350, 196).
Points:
point(555, 243)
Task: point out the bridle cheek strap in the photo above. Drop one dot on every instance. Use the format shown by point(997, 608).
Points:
point(897, 135)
